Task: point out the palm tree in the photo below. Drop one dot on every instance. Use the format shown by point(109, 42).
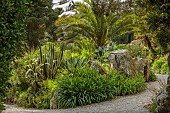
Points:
point(85, 22)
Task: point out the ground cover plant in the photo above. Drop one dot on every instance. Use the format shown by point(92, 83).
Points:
point(85, 86)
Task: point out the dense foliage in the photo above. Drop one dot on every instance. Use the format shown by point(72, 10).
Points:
point(40, 25)
point(160, 65)
point(56, 60)
point(12, 30)
point(85, 86)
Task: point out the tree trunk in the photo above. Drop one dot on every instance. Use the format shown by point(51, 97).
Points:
point(149, 44)
point(168, 80)
point(168, 86)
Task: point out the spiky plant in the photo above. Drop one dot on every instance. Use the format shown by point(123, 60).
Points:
point(46, 66)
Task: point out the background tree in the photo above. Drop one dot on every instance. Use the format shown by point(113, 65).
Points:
point(12, 32)
point(40, 22)
point(93, 23)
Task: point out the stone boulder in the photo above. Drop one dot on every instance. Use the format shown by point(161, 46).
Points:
point(122, 61)
point(96, 66)
point(53, 101)
point(163, 99)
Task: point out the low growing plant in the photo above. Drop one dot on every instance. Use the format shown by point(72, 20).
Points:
point(85, 86)
point(38, 99)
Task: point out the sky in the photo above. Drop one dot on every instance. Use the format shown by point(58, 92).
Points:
point(64, 7)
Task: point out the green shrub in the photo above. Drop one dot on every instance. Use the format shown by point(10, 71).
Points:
point(152, 76)
point(26, 99)
point(85, 86)
point(160, 65)
point(119, 46)
point(124, 85)
point(134, 50)
point(137, 51)
point(38, 99)
point(164, 68)
point(32, 69)
point(1, 107)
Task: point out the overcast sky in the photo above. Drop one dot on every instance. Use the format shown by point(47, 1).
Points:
point(64, 6)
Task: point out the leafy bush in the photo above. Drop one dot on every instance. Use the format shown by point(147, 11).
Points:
point(119, 46)
point(30, 83)
point(26, 99)
point(85, 86)
point(160, 65)
point(78, 91)
point(85, 47)
point(40, 98)
point(33, 68)
point(152, 76)
point(134, 50)
point(124, 85)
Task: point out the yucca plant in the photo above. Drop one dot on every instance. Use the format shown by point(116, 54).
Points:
point(46, 66)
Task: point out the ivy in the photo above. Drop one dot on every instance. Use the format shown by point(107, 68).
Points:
point(12, 31)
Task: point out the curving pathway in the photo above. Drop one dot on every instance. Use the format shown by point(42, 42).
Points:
point(126, 104)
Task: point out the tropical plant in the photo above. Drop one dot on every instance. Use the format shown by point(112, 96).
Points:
point(47, 64)
point(75, 62)
point(98, 27)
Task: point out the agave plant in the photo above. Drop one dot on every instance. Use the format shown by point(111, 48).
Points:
point(75, 62)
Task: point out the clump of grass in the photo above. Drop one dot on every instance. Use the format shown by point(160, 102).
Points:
point(85, 86)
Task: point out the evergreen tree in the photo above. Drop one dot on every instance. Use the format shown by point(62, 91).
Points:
point(40, 21)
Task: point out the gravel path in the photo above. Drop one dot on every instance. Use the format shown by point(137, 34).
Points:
point(126, 104)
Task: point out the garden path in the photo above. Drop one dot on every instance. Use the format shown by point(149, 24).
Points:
point(126, 104)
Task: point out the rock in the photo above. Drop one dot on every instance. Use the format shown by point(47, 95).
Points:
point(122, 61)
point(163, 101)
point(163, 98)
point(96, 66)
point(53, 101)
